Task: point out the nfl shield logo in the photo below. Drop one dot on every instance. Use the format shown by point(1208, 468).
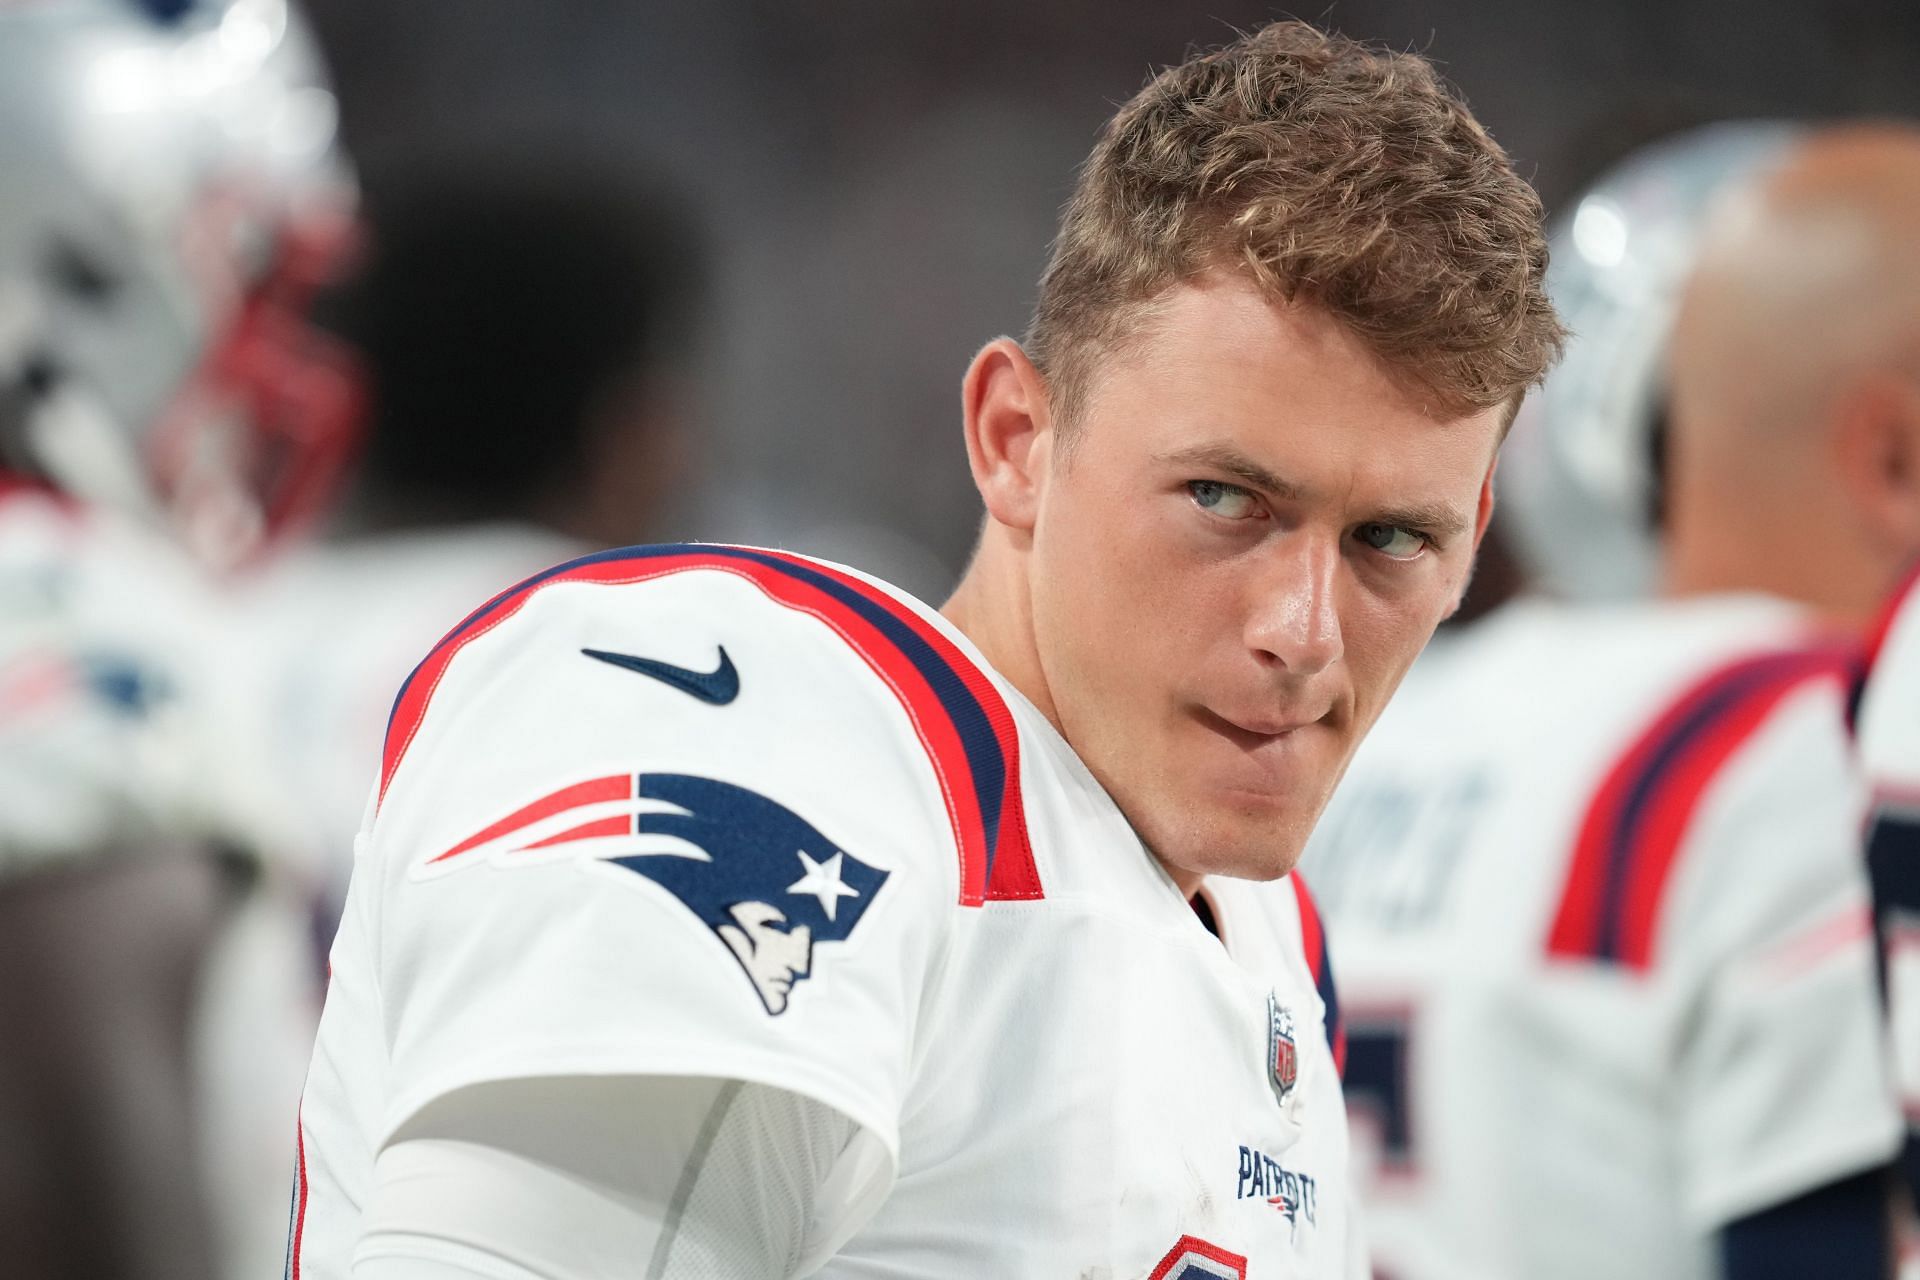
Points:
point(1283, 1059)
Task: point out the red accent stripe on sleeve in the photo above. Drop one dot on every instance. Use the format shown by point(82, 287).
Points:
point(1015, 876)
point(410, 708)
point(300, 1191)
point(1630, 837)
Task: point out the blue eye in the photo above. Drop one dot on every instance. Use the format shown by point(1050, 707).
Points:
point(1391, 540)
point(1227, 500)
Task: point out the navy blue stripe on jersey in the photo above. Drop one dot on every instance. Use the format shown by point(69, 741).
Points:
point(1893, 865)
point(1634, 826)
point(1642, 794)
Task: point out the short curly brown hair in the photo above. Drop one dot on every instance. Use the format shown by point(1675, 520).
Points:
point(1329, 171)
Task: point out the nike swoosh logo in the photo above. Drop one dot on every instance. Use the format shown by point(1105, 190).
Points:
point(718, 686)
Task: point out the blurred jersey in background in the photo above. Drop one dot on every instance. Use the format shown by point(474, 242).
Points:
point(526, 325)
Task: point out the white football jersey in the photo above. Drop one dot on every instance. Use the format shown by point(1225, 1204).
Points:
point(716, 811)
point(114, 725)
point(126, 726)
point(1887, 717)
point(1601, 923)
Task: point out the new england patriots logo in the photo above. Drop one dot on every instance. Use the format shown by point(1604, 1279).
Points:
point(770, 887)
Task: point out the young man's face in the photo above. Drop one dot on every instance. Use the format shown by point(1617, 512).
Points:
point(1254, 534)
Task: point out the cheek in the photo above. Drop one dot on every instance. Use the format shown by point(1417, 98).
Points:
point(1383, 637)
point(1109, 570)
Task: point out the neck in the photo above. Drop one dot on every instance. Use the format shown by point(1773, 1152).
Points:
point(992, 608)
point(1812, 558)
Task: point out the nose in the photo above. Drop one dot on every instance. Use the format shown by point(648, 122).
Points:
point(1295, 621)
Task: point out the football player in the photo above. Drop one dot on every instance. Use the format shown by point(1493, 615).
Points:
point(171, 200)
point(722, 912)
point(523, 325)
point(1882, 386)
point(1885, 723)
point(1596, 880)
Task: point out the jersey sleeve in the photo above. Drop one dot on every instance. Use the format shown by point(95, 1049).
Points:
point(701, 1178)
point(690, 819)
point(1779, 1070)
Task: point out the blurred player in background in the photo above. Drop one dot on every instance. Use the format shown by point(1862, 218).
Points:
point(1865, 365)
point(526, 326)
point(724, 912)
point(522, 323)
point(1597, 884)
point(171, 201)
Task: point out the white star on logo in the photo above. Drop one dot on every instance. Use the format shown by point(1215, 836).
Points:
point(823, 882)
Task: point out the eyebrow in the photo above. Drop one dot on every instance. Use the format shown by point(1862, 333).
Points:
point(1238, 465)
point(1442, 519)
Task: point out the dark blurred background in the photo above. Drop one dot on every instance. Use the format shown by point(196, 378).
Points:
point(876, 180)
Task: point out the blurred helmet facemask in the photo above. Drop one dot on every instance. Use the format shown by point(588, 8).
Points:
point(172, 203)
point(1579, 478)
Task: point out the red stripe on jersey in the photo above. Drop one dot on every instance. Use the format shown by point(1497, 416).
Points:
point(300, 1193)
point(1312, 937)
point(1875, 641)
point(1630, 837)
point(1015, 876)
point(410, 709)
point(618, 786)
point(1313, 940)
point(996, 865)
point(1190, 1246)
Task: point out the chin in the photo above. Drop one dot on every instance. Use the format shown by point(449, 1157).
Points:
point(1266, 849)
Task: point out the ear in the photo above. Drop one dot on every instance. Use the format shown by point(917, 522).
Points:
point(1482, 517)
point(1876, 438)
point(1004, 404)
point(1483, 511)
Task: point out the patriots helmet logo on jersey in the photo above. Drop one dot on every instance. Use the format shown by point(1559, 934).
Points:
point(773, 886)
point(766, 881)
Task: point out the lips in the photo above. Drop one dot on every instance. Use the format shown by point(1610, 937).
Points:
point(1255, 729)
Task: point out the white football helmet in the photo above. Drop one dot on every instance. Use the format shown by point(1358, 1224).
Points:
point(172, 200)
point(1578, 483)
